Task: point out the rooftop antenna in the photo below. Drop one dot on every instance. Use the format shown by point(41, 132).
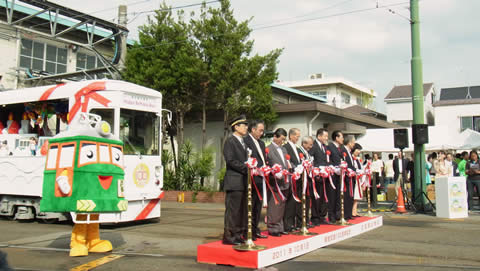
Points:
point(468, 93)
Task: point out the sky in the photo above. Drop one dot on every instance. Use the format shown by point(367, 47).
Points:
point(352, 39)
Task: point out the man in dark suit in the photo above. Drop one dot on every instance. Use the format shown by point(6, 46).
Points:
point(399, 171)
point(235, 183)
point(411, 172)
point(289, 222)
point(336, 157)
point(348, 144)
point(275, 212)
point(307, 143)
point(318, 151)
point(257, 146)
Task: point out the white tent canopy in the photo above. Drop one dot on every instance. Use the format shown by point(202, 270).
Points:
point(440, 138)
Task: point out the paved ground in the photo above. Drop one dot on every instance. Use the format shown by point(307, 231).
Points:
point(405, 242)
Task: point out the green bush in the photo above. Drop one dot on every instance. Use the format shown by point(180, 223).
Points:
point(191, 168)
point(221, 176)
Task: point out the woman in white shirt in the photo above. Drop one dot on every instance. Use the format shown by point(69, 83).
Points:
point(441, 166)
point(360, 185)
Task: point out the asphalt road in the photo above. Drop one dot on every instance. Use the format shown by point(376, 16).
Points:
point(405, 242)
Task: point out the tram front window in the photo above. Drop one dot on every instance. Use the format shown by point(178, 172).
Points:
point(139, 132)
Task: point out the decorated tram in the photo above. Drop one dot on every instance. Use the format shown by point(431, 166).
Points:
point(31, 117)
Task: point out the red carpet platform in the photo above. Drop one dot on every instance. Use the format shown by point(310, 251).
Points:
point(283, 248)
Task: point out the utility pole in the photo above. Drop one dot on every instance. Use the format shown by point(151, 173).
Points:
point(122, 20)
point(418, 109)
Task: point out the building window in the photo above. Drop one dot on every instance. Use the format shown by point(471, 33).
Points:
point(87, 62)
point(359, 101)
point(345, 98)
point(470, 122)
point(321, 94)
point(39, 56)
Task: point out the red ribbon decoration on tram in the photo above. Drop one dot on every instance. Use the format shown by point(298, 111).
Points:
point(88, 92)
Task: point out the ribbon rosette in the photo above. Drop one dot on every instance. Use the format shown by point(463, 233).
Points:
point(277, 173)
point(328, 156)
point(265, 170)
point(330, 170)
point(252, 163)
point(299, 169)
point(276, 168)
point(307, 164)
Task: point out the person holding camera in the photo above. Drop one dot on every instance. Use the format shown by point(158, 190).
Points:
point(472, 169)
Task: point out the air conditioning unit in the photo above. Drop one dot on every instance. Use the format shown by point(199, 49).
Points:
point(316, 76)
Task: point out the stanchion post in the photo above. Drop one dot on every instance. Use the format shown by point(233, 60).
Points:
point(304, 231)
point(342, 221)
point(249, 245)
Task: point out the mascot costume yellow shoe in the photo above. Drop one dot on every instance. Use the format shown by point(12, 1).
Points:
point(84, 175)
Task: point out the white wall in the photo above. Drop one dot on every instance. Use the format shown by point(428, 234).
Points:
point(291, 120)
point(335, 91)
point(402, 111)
point(399, 111)
point(9, 55)
point(450, 115)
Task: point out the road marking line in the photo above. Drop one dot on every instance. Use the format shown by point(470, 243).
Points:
point(96, 263)
point(123, 253)
point(38, 248)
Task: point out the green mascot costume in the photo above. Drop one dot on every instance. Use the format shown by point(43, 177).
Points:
point(84, 174)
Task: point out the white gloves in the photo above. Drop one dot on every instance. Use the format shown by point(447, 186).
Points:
point(279, 175)
point(63, 184)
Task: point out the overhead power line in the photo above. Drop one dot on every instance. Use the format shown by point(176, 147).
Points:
point(287, 23)
point(81, 16)
point(307, 14)
point(137, 13)
point(329, 16)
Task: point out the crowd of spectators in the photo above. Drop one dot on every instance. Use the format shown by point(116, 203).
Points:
point(437, 164)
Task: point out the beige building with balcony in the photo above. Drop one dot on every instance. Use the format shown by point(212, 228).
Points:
point(336, 91)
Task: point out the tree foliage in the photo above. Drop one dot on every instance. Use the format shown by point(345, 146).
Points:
point(203, 63)
point(238, 82)
point(165, 59)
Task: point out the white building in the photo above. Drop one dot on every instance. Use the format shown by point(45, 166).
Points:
point(337, 91)
point(42, 43)
point(458, 108)
point(399, 104)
